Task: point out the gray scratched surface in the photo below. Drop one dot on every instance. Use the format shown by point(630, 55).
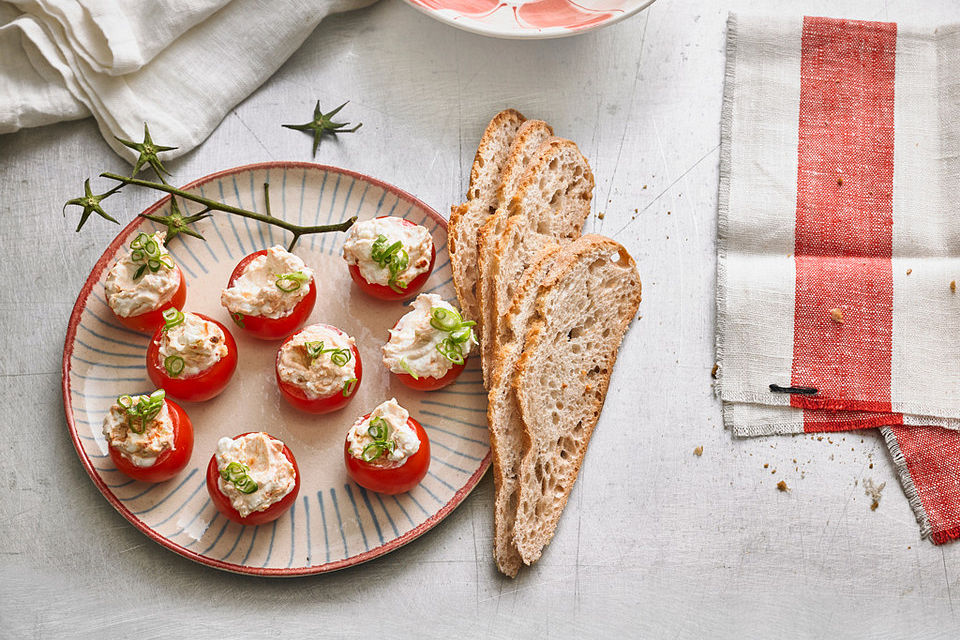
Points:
point(657, 543)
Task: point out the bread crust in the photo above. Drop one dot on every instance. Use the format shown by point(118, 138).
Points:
point(503, 417)
point(523, 152)
point(481, 201)
point(538, 512)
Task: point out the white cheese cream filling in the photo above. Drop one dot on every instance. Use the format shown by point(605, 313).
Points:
point(412, 347)
point(320, 376)
point(198, 342)
point(403, 437)
point(256, 291)
point(358, 249)
point(265, 465)
point(128, 297)
point(141, 449)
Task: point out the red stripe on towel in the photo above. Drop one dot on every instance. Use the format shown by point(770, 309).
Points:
point(844, 215)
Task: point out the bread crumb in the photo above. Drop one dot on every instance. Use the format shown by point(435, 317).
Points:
point(766, 466)
point(836, 314)
point(773, 472)
point(871, 465)
point(713, 372)
point(839, 182)
point(782, 486)
point(953, 286)
point(698, 451)
point(873, 491)
point(668, 213)
point(600, 215)
point(909, 271)
point(644, 186)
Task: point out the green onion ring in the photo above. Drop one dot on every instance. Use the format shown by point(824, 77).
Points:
point(174, 365)
point(172, 317)
point(349, 386)
point(296, 280)
point(406, 367)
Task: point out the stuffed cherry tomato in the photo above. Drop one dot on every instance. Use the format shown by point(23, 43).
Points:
point(143, 283)
point(319, 369)
point(389, 258)
point(428, 346)
point(253, 478)
point(192, 357)
point(270, 293)
point(386, 450)
point(150, 438)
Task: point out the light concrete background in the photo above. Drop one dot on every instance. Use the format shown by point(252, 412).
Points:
point(655, 542)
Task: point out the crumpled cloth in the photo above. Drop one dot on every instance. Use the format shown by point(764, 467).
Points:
point(178, 65)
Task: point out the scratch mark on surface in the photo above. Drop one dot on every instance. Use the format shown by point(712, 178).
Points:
point(626, 121)
point(254, 134)
point(670, 186)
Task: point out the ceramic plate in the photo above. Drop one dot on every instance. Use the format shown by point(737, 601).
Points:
point(334, 522)
point(529, 18)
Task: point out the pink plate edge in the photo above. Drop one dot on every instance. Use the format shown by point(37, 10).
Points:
point(475, 26)
point(80, 305)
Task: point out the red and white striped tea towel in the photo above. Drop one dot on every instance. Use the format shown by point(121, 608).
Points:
point(839, 242)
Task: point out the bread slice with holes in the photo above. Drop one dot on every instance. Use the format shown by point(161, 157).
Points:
point(503, 414)
point(582, 310)
point(550, 205)
point(482, 201)
point(530, 136)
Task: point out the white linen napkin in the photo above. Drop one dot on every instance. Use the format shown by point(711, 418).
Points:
point(179, 65)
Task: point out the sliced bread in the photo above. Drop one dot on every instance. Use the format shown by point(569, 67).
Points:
point(550, 205)
point(582, 310)
point(503, 414)
point(481, 202)
point(530, 136)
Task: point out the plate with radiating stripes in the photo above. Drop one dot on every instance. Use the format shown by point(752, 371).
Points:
point(334, 522)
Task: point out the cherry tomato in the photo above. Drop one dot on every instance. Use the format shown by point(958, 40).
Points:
point(391, 479)
point(427, 383)
point(272, 328)
point(326, 404)
point(150, 321)
point(170, 462)
point(271, 513)
point(382, 292)
point(207, 384)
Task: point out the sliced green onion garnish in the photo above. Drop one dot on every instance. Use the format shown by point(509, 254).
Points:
point(237, 474)
point(406, 367)
point(314, 349)
point(349, 386)
point(174, 365)
point(144, 249)
point(142, 409)
point(393, 257)
point(445, 319)
point(293, 281)
point(450, 350)
point(372, 451)
point(172, 317)
point(341, 357)
point(238, 319)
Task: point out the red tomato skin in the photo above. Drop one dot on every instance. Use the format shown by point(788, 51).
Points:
point(426, 383)
point(271, 513)
point(207, 384)
point(273, 328)
point(296, 397)
point(391, 480)
point(170, 462)
point(381, 292)
point(152, 320)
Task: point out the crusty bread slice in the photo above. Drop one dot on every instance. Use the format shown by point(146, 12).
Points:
point(551, 204)
point(481, 202)
point(530, 136)
point(503, 415)
point(582, 311)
